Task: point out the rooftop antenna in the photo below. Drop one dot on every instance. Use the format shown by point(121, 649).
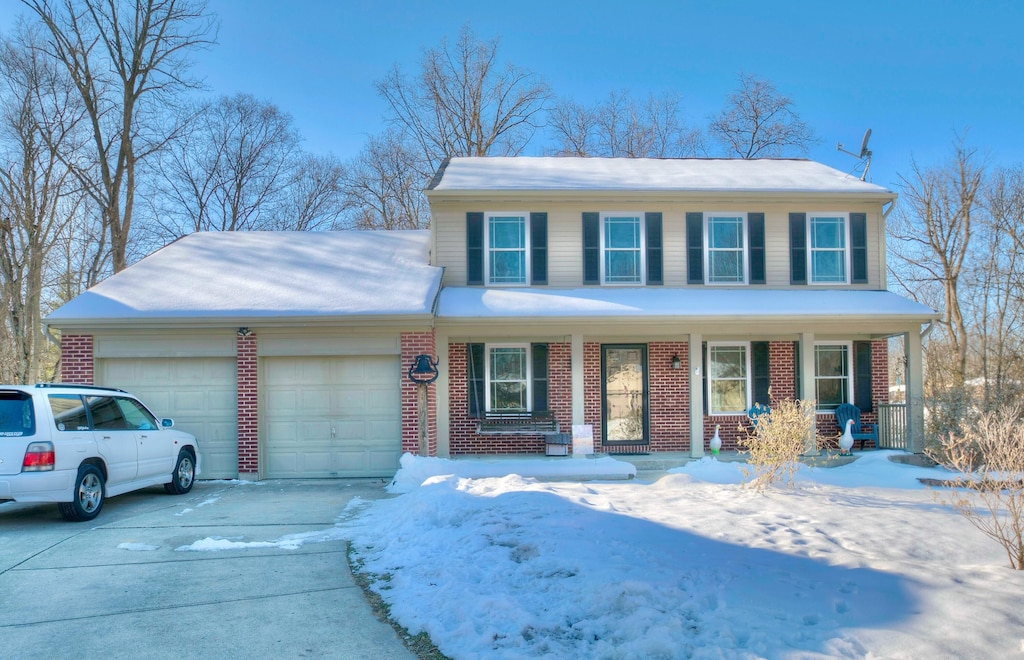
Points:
point(864, 155)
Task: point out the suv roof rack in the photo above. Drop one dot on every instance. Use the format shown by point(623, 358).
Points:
point(82, 387)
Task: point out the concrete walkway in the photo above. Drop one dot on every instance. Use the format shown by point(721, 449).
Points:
point(117, 587)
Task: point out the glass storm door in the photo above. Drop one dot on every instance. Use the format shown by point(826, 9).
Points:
point(624, 394)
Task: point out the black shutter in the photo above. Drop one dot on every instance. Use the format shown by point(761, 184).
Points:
point(755, 231)
point(475, 379)
point(798, 248)
point(859, 247)
point(797, 375)
point(538, 248)
point(862, 375)
point(704, 372)
point(654, 248)
point(759, 367)
point(539, 355)
point(474, 248)
point(591, 248)
point(695, 248)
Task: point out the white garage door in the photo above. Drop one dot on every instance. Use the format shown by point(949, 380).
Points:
point(198, 393)
point(332, 416)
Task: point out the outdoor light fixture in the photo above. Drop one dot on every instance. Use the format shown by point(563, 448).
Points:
point(423, 370)
point(675, 361)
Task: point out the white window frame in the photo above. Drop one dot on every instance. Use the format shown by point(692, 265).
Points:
point(847, 264)
point(744, 257)
point(487, 373)
point(849, 372)
point(749, 377)
point(487, 249)
point(639, 216)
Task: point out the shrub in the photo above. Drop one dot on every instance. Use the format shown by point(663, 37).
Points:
point(989, 491)
point(775, 444)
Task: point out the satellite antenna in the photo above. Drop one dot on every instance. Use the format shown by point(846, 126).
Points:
point(864, 155)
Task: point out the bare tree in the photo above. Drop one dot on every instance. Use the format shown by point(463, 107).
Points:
point(758, 121)
point(229, 167)
point(127, 61)
point(314, 198)
point(463, 103)
point(934, 238)
point(625, 127)
point(989, 491)
point(36, 194)
point(383, 186)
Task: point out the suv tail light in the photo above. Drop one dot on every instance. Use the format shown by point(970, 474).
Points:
point(38, 457)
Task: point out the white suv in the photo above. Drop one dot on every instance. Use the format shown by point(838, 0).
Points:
point(79, 444)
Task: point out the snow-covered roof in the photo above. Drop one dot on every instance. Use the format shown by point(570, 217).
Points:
point(764, 175)
point(238, 275)
point(705, 303)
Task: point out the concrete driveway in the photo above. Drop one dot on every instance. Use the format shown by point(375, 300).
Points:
point(121, 587)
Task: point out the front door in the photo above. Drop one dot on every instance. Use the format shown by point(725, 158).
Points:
point(624, 394)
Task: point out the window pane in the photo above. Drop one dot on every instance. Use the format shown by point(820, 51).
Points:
point(622, 233)
point(17, 417)
point(508, 267)
point(508, 396)
point(729, 396)
point(728, 362)
point(725, 266)
point(508, 233)
point(507, 249)
point(138, 418)
point(106, 415)
point(831, 370)
point(831, 393)
point(622, 266)
point(827, 233)
point(725, 232)
point(831, 361)
point(828, 266)
point(508, 364)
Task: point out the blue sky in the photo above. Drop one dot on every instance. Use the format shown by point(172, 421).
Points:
point(913, 72)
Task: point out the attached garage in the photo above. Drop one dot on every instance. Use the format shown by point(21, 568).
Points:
point(331, 416)
point(198, 393)
point(284, 353)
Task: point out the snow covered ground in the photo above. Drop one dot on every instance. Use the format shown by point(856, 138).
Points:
point(855, 561)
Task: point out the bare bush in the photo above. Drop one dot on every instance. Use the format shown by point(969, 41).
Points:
point(777, 441)
point(989, 491)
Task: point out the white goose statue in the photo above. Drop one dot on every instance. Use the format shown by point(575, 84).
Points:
point(846, 440)
point(716, 442)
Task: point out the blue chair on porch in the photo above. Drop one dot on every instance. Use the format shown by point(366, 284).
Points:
point(757, 410)
point(860, 432)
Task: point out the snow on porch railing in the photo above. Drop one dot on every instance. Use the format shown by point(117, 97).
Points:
point(892, 426)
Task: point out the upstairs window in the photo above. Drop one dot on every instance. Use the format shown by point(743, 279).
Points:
point(507, 248)
point(828, 253)
point(622, 254)
point(726, 248)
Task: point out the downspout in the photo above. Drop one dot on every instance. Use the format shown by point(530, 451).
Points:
point(887, 209)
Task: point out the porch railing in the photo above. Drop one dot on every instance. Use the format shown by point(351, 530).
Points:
point(892, 426)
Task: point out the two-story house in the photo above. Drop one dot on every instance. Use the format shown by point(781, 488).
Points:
point(648, 299)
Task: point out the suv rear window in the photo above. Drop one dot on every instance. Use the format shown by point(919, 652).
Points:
point(17, 418)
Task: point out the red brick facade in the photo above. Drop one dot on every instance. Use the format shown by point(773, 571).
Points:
point(76, 359)
point(413, 344)
point(669, 399)
point(248, 403)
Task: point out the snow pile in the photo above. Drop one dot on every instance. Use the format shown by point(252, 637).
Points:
point(414, 471)
point(854, 561)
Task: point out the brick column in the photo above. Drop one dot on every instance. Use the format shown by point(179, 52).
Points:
point(413, 344)
point(248, 405)
point(76, 360)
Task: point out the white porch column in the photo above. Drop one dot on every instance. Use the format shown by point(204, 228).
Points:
point(915, 390)
point(441, 394)
point(576, 357)
point(696, 397)
point(807, 392)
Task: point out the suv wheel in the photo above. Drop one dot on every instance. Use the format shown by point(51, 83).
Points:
point(89, 494)
point(184, 474)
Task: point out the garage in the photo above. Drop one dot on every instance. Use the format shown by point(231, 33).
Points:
point(331, 416)
point(198, 393)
